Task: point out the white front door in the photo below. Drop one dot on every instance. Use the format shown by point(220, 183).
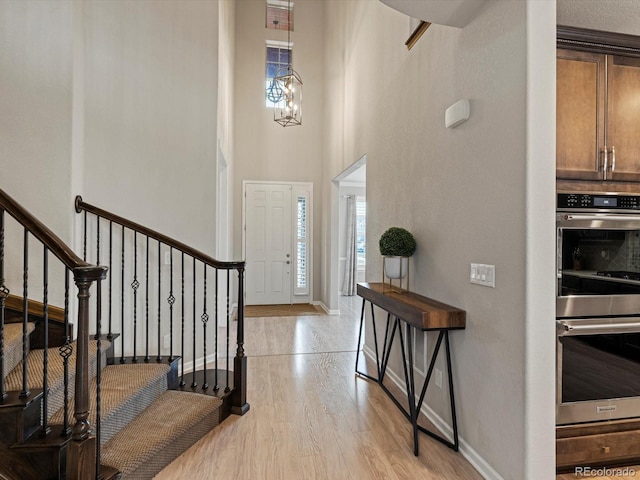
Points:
point(268, 238)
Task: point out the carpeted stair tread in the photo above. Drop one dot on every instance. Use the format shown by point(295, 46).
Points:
point(126, 391)
point(13, 345)
point(174, 422)
point(55, 372)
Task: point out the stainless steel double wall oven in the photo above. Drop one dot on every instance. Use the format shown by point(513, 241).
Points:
point(598, 307)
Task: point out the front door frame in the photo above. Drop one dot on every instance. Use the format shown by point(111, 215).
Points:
point(297, 188)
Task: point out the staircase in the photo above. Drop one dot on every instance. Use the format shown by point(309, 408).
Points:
point(132, 392)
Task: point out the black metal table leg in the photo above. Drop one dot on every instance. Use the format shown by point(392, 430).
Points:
point(360, 333)
point(419, 311)
point(454, 420)
point(406, 348)
point(375, 336)
point(411, 391)
point(386, 351)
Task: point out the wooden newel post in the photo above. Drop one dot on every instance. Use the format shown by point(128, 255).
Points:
point(81, 454)
point(239, 405)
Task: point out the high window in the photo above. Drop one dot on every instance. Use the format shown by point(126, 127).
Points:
point(278, 16)
point(278, 57)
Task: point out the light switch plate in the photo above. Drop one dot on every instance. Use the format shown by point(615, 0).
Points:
point(483, 274)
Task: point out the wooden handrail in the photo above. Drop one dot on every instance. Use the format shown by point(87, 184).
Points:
point(198, 255)
point(55, 245)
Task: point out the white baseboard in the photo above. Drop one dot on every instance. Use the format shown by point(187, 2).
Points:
point(479, 463)
point(325, 308)
point(188, 366)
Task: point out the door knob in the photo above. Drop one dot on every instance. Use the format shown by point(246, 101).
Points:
point(288, 262)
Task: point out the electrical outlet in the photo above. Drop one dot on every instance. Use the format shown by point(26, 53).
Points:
point(167, 341)
point(167, 258)
point(438, 378)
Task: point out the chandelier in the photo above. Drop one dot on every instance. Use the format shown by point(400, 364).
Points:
point(286, 90)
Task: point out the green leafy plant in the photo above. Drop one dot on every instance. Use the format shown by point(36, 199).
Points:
point(397, 242)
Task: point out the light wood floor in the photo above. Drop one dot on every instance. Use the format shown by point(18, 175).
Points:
point(312, 418)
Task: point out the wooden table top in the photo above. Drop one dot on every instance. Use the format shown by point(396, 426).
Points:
point(421, 312)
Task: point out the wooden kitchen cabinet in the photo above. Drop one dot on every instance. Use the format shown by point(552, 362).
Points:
point(598, 109)
point(596, 444)
point(623, 117)
point(579, 114)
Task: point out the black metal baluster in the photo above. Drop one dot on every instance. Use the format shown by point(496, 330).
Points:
point(65, 352)
point(159, 357)
point(98, 428)
point(146, 308)
point(205, 319)
point(45, 359)
point(135, 284)
point(216, 386)
point(227, 388)
point(4, 293)
point(98, 263)
point(171, 300)
point(122, 359)
point(84, 238)
point(182, 384)
point(25, 316)
point(110, 334)
point(194, 384)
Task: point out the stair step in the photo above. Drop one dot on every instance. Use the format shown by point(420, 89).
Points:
point(55, 373)
point(168, 427)
point(126, 391)
point(13, 345)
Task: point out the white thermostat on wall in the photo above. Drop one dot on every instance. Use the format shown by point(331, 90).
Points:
point(457, 113)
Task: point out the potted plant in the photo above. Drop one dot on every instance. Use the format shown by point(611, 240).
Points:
point(396, 246)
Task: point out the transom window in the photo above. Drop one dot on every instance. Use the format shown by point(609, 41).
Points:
point(278, 16)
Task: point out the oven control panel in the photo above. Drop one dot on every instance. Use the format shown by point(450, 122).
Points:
point(598, 201)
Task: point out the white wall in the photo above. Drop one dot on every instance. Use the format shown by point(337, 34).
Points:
point(226, 63)
point(264, 150)
point(608, 15)
point(36, 58)
point(462, 192)
point(151, 74)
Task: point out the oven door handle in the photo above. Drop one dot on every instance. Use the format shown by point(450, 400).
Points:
point(568, 329)
point(600, 218)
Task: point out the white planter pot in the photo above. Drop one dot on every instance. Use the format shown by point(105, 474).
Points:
point(396, 267)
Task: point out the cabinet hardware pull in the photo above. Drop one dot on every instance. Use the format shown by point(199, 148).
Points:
point(606, 449)
point(606, 161)
point(613, 159)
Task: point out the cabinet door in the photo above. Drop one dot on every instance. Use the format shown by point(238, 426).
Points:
point(579, 115)
point(623, 116)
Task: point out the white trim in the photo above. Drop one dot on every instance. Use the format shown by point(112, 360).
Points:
point(332, 283)
point(325, 308)
point(279, 44)
point(538, 223)
point(279, 4)
point(299, 298)
point(474, 458)
point(188, 366)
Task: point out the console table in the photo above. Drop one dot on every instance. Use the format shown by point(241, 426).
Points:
point(416, 313)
